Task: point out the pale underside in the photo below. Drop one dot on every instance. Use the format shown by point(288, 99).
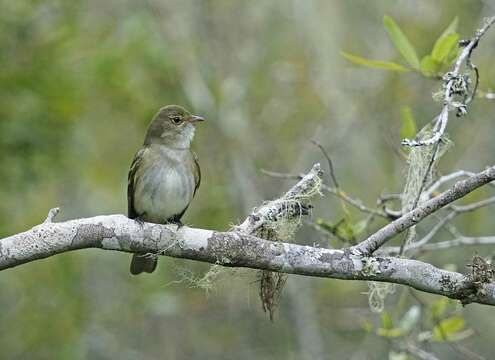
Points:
point(164, 184)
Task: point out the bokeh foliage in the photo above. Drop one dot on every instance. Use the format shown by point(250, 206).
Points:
point(79, 81)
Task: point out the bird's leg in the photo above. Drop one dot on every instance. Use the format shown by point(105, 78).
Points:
point(150, 256)
point(139, 219)
point(176, 221)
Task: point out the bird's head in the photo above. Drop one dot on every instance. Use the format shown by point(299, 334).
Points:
point(173, 126)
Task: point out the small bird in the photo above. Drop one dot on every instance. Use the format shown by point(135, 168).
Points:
point(164, 175)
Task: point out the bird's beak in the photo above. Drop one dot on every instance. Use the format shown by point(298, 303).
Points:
point(195, 118)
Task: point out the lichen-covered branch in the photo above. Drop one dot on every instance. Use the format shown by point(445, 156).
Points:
point(234, 249)
point(293, 203)
point(278, 220)
point(239, 248)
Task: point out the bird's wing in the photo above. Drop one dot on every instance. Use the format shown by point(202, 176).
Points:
point(197, 172)
point(131, 183)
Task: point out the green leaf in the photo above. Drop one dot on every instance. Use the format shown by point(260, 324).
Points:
point(367, 326)
point(452, 56)
point(408, 129)
point(447, 328)
point(429, 66)
point(452, 28)
point(388, 329)
point(390, 333)
point(359, 227)
point(444, 46)
point(343, 229)
point(438, 308)
point(377, 64)
point(340, 229)
point(387, 322)
point(325, 225)
point(442, 42)
point(401, 42)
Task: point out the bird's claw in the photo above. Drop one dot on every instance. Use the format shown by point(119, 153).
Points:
point(177, 222)
point(139, 220)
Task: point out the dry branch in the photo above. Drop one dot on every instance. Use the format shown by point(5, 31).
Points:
point(238, 249)
point(233, 249)
point(459, 190)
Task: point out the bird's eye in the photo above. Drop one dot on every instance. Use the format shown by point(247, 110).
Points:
point(176, 119)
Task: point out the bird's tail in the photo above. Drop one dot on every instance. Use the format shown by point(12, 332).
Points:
point(143, 263)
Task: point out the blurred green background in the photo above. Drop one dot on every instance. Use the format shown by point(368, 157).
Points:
point(79, 82)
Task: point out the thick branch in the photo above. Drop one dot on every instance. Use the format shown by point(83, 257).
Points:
point(233, 249)
point(237, 248)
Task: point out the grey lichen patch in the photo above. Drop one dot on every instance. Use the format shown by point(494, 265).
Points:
point(340, 262)
point(294, 257)
point(447, 284)
point(371, 267)
point(277, 249)
point(378, 291)
point(240, 250)
point(254, 218)
point(125, 242)
point(92, 234)
point(4, 252)
point(330, 258)
point(482, 272)
point(154, 237)
point(385, 267)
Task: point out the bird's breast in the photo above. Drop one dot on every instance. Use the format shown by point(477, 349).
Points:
point(165, 187)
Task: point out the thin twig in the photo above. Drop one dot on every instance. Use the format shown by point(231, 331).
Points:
point(280, 175)
point(355, 202)
point(455, 84)
point(456, 210)
point(51, 215)
point(459, 190)
point(419, 353)
point(329, 161)
point(384, 199)
point(461, 241)
point(446, 178)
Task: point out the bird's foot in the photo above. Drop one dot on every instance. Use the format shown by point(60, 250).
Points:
point(150, 256)
point(176, 222)
point(139, 220)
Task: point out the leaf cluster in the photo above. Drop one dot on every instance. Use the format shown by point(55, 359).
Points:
point(441, 56)
point(441, 321)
